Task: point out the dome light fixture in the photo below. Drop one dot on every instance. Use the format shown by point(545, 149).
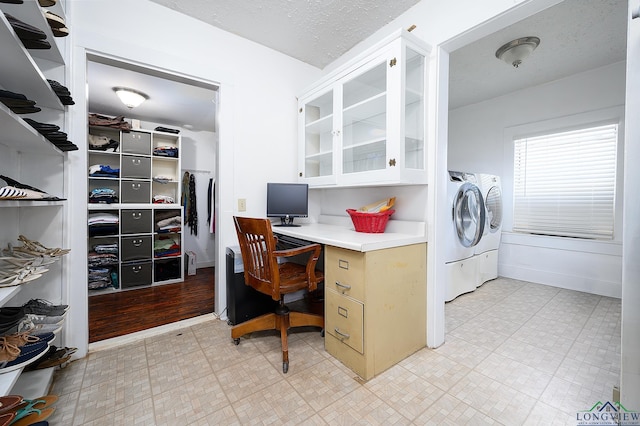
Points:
point(514, 52)
point(131, 98)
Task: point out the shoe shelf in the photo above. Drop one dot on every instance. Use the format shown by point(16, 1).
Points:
point(6, 293)
point(33, 384)
point(31, 13)
point(8, 380)
point(21, 74)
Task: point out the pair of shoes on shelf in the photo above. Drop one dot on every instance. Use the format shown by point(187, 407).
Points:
point(44, 307)
point(23, 412)
point(30, 192)
point(13, 357)
point(55, 357)
point(18, 103)
point(57, 24)
point(20, 276)
point(35, 248)
point(30, 36)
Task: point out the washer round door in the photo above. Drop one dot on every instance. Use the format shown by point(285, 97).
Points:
point(469, 214)
point(493, 203)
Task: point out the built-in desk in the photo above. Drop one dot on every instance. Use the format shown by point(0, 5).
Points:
point(375, 291)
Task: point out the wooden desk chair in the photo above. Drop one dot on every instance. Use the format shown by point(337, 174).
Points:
point(263, 272)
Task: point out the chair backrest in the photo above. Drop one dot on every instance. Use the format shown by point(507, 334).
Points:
point(257, 245)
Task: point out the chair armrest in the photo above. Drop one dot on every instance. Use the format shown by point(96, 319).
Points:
point(297, 250)
point(310, 269)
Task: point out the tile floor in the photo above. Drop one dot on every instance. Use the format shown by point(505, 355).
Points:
point(515, 353)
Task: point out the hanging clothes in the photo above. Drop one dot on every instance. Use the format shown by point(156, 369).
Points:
point(184, 200)
point(211, 213)
point(192, 213)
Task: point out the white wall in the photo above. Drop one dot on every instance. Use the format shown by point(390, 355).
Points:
point(257, 118)
point(630, 348)
point(480, 140)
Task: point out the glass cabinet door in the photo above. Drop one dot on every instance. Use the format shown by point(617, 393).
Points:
point(414, 110)
point(318, 136)
point(364, 121)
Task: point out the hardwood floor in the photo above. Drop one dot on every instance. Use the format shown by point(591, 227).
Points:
point(117, 314)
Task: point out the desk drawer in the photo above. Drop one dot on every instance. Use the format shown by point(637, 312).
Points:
point(344, 318)
point(344, 271)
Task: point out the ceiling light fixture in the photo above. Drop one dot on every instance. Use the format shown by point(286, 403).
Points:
point(514, 52)
point(131, 98)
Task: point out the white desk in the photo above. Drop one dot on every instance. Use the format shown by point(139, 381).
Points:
point(338, 231)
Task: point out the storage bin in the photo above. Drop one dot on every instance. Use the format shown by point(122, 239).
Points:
point(135, 192)
point(135, 274)
point(374, 223)
point(136, 222)
point(136, 143)
point(135, 167)
point(136, 248)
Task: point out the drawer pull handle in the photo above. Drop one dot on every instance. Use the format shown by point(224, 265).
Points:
point(136, 162)
point(137, 215)
point(135, 186)
point(341, 334)
point(343, 286)
point(137, 243)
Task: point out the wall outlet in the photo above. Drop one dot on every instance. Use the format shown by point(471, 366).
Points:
point(242, 204)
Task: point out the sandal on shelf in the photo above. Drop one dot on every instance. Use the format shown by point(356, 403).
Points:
point(8, 402)
point(53, 359)
point(13, 278)
point(37, 247)
point(20, 254)
point(27, 413)
point(6, 418)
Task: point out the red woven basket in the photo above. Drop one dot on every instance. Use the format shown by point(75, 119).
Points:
point(373, 223)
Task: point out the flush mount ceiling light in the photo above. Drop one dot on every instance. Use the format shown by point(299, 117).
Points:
point(514, 52)
point(131, 98)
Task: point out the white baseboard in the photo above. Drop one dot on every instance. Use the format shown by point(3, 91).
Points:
point(569, 282)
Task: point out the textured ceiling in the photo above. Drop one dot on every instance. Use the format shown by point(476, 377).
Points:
point(314, 31)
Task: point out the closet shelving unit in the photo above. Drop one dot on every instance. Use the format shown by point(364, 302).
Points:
point(136, 186)
point(29, 158)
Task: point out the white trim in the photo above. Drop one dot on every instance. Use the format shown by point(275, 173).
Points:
point(151, 332)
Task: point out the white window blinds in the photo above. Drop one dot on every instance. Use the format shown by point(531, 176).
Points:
point(564, 183)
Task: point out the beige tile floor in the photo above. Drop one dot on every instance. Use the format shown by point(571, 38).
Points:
point(515, 353)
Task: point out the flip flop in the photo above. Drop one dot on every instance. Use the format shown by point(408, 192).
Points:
point(37, 403)
point(5, 419)
point(33, 417)
point(8, 402)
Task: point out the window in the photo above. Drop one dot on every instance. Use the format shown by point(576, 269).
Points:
point(564, 183)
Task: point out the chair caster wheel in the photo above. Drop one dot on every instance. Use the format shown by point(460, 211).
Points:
point(236, 342)
point(322, 333)
point(285, 367)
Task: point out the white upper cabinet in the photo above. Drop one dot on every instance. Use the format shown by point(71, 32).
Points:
point(364, 124)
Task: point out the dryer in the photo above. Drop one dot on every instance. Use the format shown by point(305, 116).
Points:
point(487, 248)
point(466, 228)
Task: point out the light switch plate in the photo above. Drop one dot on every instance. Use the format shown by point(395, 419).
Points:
point(242, 204)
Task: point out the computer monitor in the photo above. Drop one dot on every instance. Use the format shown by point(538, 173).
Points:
point(287, 201)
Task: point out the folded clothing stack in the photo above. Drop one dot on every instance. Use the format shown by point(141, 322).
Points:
point(101, 278)
point(112, 122)
point(102, 143)
point(103, 170)
point(167, 130)
point(18, 103)
point(103, 196)
point(166, 246)
point(30, 36)
point(165, 151)
point(168, 221)
point(61, 92)
point(163, 199)
point(103, 223)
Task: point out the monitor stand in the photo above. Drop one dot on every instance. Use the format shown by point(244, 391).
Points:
point(286, 221)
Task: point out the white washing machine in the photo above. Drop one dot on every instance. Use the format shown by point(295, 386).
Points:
point(467, 222)
point(487, 249)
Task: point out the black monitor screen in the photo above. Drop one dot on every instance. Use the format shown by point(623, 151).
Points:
point(286, 201)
